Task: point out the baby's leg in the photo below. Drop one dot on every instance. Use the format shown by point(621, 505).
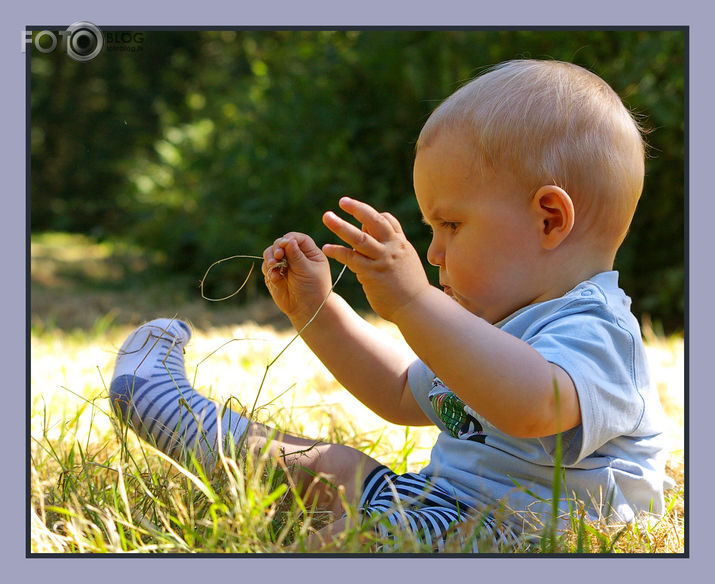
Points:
point(150, 392)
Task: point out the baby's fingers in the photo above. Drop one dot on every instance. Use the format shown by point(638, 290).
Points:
point(382, 226)
point(275, 261)
point(269, 260)
point(349, 257)
point(304, 243)
point(297, 252)
point(358, 239)
point(392, 220)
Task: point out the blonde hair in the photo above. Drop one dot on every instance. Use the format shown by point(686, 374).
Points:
point(550, 122)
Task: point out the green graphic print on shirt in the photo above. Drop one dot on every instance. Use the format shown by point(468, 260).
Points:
point(458, 417)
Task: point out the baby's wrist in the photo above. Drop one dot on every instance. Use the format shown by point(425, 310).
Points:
point(414, 308)
point(306, 315)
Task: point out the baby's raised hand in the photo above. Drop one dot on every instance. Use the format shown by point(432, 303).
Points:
point(297, 275)
point(386, 264)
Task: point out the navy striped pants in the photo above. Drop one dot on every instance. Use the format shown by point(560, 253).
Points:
point(412, 502)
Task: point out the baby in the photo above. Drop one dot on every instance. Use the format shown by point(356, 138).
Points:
point(528, 177)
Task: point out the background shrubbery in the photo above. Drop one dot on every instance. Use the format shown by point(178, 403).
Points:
point(201, 145)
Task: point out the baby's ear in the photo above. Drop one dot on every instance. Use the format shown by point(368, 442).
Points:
point(554, 209)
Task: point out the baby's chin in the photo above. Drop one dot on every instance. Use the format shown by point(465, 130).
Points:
point(471, 307)
point(458, 299)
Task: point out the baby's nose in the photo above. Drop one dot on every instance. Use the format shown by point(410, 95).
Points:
point(435, 254)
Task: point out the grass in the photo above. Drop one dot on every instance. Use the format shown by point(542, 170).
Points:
point(97, 489)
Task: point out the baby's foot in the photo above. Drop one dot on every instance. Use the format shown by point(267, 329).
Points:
point(150, 392)
point(144, 353)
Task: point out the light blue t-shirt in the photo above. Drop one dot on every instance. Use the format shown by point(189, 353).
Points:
point(615, 459)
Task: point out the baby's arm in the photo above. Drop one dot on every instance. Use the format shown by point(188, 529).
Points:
point(502, 377)
point(371, 365)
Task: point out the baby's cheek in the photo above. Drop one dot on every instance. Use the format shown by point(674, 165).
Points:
point(472, 276)
point(469, 287)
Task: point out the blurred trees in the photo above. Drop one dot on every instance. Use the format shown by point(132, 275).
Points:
point(208, 144)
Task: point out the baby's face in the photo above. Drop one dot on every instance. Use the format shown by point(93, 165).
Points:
point(485, 238)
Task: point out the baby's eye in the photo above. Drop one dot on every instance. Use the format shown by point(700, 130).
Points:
point(449, 225)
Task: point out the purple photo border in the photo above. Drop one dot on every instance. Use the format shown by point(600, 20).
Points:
point(692, 13)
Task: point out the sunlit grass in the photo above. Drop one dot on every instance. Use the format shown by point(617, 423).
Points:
point(91, 494)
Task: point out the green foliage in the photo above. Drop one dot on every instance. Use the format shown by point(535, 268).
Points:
point(208, 144)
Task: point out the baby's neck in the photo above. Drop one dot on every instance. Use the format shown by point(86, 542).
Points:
point(570, 270)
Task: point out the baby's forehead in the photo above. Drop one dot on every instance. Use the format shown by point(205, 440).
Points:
point(444, 204)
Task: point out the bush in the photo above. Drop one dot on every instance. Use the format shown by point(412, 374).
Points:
point(209, 144)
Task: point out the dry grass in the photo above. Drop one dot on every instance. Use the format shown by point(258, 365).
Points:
point(87, 489)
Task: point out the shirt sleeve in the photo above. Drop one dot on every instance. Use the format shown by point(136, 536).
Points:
point(420, 378)
point(600, 353)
